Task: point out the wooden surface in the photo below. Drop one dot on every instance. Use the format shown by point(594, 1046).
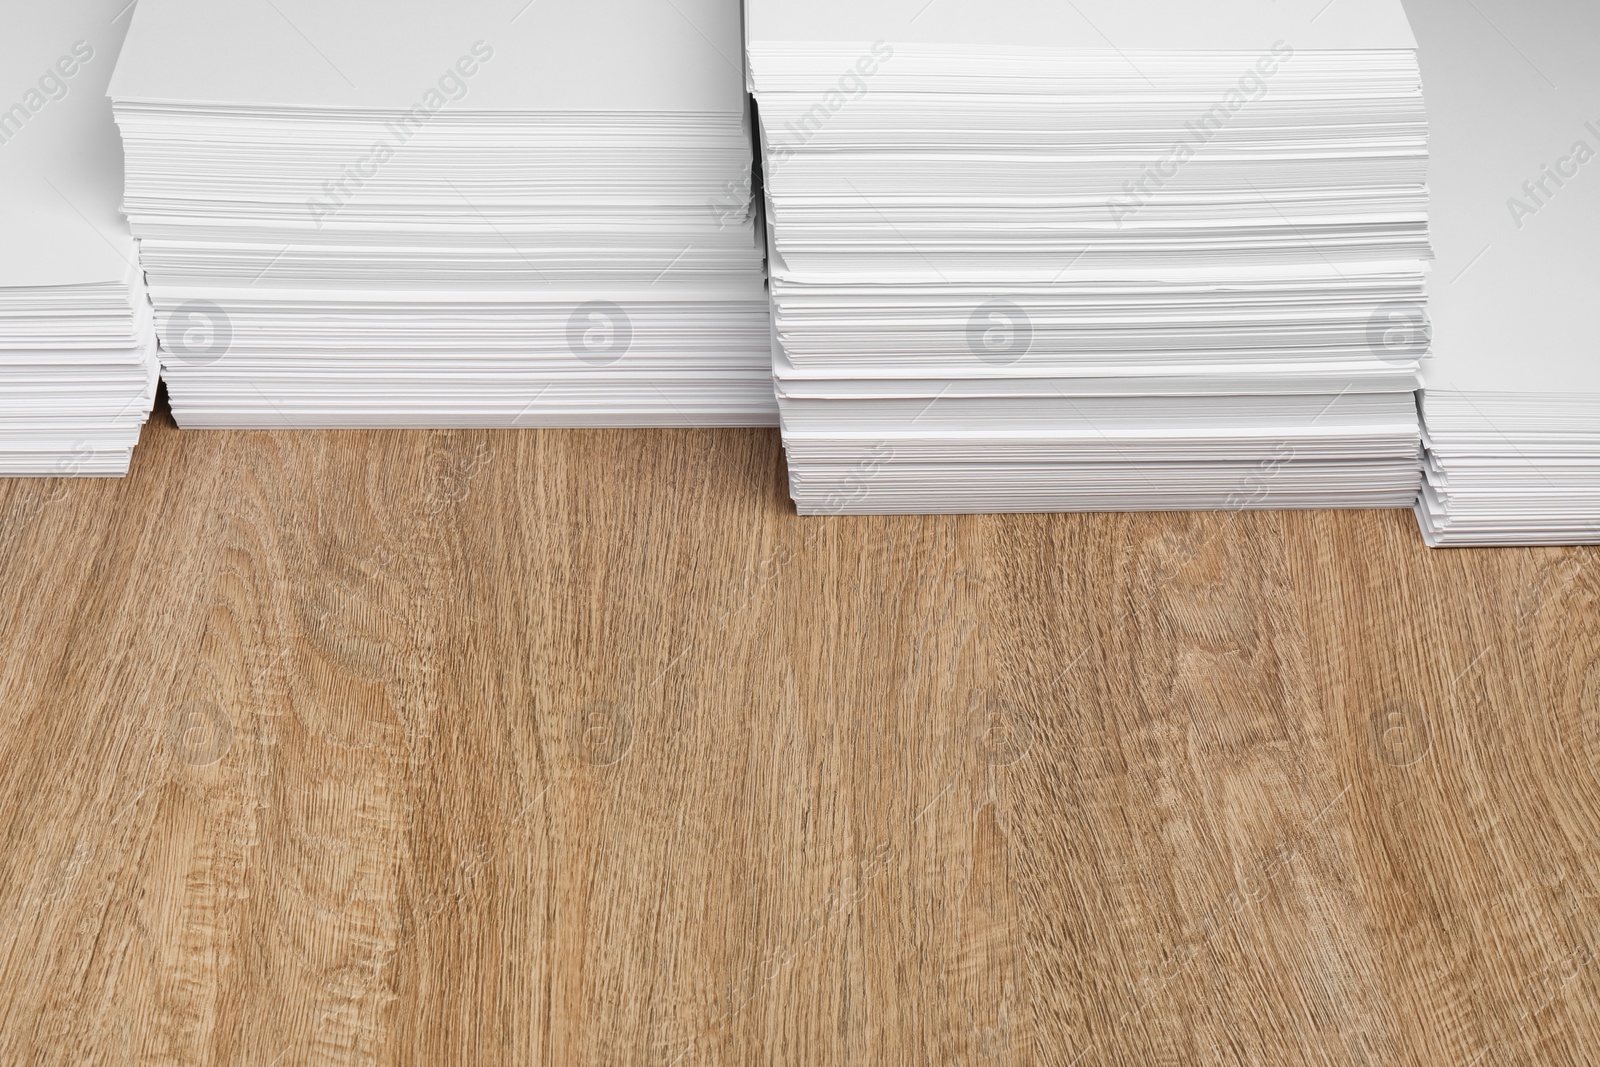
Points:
point(580, 748)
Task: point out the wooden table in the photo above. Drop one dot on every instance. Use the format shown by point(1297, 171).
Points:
point(581, 748)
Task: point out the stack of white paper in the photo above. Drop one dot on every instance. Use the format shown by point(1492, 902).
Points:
point(1110, 255)
point(1511, 403)
point(422, 214)
point(77, 353)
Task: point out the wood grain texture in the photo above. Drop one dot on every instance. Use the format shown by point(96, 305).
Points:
point(580, 748)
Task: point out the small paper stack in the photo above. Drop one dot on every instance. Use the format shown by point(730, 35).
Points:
point(1511, 400)
point(421, 214)
point(1094, 256)
point(77, 352)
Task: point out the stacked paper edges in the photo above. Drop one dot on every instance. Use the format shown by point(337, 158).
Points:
point(1511, 402)
point(1015, 269)
point(488, 233)
point(77, 347)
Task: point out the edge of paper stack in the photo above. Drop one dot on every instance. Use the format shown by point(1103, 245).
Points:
point(1094, 257)
point(77, 348)
point(1511, 397)
point(445, 215)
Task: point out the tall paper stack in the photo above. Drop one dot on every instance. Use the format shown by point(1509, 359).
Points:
point(411, 213)
point(77, 351)
point(1110, 255)
point(1511, 403)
